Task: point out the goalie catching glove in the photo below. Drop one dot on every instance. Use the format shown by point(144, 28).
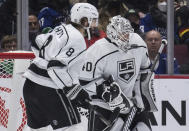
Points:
point(78, 95)
point(108, 90)
point(111, 93)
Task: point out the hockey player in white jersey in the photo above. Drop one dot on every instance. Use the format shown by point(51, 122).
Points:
point(114, 70)
point(54, 71)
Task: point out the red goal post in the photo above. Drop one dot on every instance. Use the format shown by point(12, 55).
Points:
point(12, 108)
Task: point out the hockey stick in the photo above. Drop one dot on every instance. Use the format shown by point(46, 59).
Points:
point(73, 92)
point(164, 43)
point(134, 109)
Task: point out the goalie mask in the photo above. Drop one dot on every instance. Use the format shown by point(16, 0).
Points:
point(84, 10)
point(118, 32)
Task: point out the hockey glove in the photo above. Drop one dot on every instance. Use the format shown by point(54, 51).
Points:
point(111, 93)
point(77, 95)
point(108, 90)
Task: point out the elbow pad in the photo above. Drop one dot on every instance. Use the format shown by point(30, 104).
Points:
point(59, 74)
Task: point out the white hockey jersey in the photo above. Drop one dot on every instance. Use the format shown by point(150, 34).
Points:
point(59, 50)
point(105, 58)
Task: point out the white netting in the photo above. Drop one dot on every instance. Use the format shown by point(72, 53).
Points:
point(84, 112)
point(7, 88)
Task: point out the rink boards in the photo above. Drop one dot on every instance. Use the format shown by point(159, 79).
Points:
point(172, 99)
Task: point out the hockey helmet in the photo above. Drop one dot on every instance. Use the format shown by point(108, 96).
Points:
point(81, 10)
point(118, 31)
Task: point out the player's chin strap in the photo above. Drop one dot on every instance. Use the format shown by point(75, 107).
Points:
point(88, 34)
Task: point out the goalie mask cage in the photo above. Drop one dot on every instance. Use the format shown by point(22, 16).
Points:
point(12, 108)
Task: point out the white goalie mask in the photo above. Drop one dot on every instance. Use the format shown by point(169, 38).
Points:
point(118, 32)
point(84, 10)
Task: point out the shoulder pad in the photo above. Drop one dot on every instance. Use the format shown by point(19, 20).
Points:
point(136, 40)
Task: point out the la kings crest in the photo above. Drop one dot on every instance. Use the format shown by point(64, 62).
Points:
point(126, 70)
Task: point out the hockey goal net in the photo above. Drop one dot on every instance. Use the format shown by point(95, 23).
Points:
point(12, 108)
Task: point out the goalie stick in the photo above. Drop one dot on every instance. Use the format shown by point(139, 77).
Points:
point(134, 109)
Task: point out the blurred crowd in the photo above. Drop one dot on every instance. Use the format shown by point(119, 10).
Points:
point(144, 15)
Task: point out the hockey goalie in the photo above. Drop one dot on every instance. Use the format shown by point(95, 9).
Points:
point(116, 73)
